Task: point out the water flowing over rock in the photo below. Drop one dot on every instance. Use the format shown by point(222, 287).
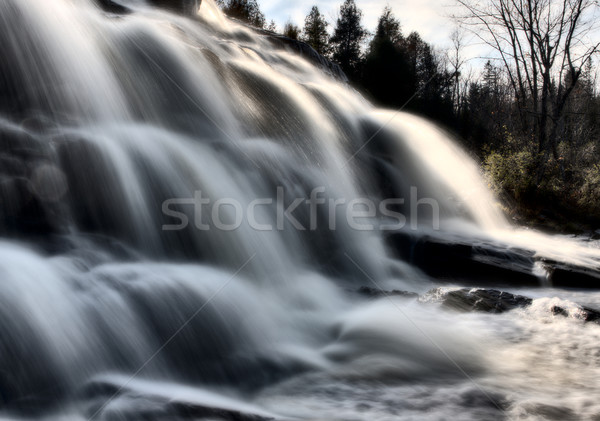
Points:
point(187, 7)
point(188, 207)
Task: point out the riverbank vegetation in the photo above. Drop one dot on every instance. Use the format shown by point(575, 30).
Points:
point(530, 115)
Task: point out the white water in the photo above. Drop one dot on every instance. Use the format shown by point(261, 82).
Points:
point(105, 117)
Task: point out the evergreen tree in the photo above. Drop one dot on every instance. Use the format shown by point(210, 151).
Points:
point(388, 28)
point(347, 37)
point(386, 74)
point(315, 31)
point(272, 26)
point(291, 30)
point(245, 10)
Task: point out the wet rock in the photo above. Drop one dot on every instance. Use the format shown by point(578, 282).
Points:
point(185, 7)
point(495, 301)
point(11, 166)
point(308, 53)
point(467, 261)
point(559, 311)
point(550, 412)
point(18, 143)
point(484, 300)
point(571, 276)
point(31, 186)
point(586, 313)
point(379, 293)
point(112, 7)
point(591, 315)
point(197, 411)
point(21, 212)
point(142, 400)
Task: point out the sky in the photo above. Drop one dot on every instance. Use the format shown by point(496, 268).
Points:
point(428, 17)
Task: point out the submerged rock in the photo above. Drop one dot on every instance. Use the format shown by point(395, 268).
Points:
point(186, 7)
point(380, 293)
point(309, 53)
point(145, 400)
point(112, 7)
point(587, 314)
point(496, 302)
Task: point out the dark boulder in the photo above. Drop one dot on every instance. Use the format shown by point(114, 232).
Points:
point(468, 261)
point(496, 302)
point(484, 300)
point(571, 276)
point(586, 313)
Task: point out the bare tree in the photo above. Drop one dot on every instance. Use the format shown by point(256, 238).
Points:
point(455, 62)
point(544, 46)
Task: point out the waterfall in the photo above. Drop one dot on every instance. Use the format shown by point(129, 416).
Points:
point(155, 222)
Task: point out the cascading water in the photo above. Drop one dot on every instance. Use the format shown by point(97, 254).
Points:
point(141, 278)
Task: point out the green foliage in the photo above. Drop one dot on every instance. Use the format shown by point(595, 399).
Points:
point(589, 192)
point(315, 31)
point(511, 172)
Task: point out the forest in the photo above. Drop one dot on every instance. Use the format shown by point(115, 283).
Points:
point(529, 114)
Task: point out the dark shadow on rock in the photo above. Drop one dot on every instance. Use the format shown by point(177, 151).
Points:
point(112, 7)
point(571, 276)
point(468, 262)
point(379, 293)
point(185, 7)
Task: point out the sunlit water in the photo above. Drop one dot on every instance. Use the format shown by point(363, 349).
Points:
point(105, 117)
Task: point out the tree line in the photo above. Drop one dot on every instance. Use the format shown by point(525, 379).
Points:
point(531, 115)
point(391, 69)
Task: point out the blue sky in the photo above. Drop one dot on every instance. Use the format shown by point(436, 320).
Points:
point(428, 17)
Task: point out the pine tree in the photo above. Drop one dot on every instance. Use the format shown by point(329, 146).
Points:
point(272, 26)
point(388, 28)
point(386, 75)
point(291, 30)
point(347, 37)
point(245, 10)
point(315, 31)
